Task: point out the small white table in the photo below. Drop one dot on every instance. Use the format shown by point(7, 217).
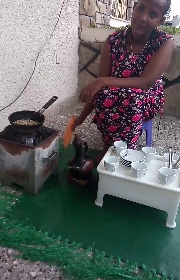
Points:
point(147, 191)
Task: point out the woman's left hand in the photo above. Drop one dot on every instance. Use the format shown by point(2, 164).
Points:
point(88, 93)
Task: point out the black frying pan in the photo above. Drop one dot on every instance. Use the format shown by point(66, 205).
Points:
point(30, 115)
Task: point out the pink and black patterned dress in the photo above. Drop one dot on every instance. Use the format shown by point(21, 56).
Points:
point(119, 112)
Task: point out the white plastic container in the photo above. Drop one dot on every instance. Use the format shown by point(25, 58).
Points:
point(147, 190)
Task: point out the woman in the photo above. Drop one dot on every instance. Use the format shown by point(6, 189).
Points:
point(129, 88)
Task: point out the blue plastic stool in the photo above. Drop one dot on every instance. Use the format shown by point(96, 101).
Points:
point(147, 126)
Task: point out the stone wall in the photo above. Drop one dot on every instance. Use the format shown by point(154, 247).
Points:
point(122, 9)
point(98, 13)
point(94, 13)
point(130, 9)
point(89, 54)
point(103, 11)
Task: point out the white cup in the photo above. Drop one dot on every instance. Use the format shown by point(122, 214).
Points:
point(119, 146)
point(138, 169)
point(149, 153)
point(167, 175)
point(111, 163)
point(166, 159)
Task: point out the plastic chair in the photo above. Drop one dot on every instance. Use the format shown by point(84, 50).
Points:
point(147, 126)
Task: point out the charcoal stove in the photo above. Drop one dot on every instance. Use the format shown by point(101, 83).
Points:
point(28, 160)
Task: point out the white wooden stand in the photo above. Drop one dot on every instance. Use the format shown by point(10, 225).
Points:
point(147, 191)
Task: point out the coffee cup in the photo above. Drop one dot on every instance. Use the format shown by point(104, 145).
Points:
point(167, 175)
point(119, 146)
point(111, 163)
point(149, 153)
point(166, 159)
point(138, 169)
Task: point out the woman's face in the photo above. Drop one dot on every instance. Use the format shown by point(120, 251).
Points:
point(147, 15)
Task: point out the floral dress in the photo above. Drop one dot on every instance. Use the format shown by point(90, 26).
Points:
point(120, 112)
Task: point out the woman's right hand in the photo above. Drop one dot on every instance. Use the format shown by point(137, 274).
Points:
point(89, 92)
point(77, 122)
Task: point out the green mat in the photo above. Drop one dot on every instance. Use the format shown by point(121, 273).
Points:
point(120, 228)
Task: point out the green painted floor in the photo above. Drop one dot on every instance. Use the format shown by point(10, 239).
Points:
point(121, 228)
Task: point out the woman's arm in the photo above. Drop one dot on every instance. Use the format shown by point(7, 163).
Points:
point(152, 72)
point(105, 61)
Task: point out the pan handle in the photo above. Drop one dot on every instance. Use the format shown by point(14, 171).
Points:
point(48, 104)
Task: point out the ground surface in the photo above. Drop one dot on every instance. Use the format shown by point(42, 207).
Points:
point(167, 136)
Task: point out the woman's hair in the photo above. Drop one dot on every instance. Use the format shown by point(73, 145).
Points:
point(167, 8)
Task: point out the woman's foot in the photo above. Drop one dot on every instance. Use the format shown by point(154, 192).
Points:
point(101, 155)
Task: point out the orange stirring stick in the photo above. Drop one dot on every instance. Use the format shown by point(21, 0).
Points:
point(68, 132)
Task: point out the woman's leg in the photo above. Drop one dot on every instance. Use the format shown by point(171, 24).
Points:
point(119, 117)
point(154, 104)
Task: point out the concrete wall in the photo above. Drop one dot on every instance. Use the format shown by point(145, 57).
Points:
point(89, 53)
point(25, 27)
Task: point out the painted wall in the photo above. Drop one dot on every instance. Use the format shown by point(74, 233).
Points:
point(89, 52)
point(25, 28)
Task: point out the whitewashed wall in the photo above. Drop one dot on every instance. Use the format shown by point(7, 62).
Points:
point(25, 27)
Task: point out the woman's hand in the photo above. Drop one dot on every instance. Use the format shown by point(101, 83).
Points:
point(78, 121)
point(88, 93)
